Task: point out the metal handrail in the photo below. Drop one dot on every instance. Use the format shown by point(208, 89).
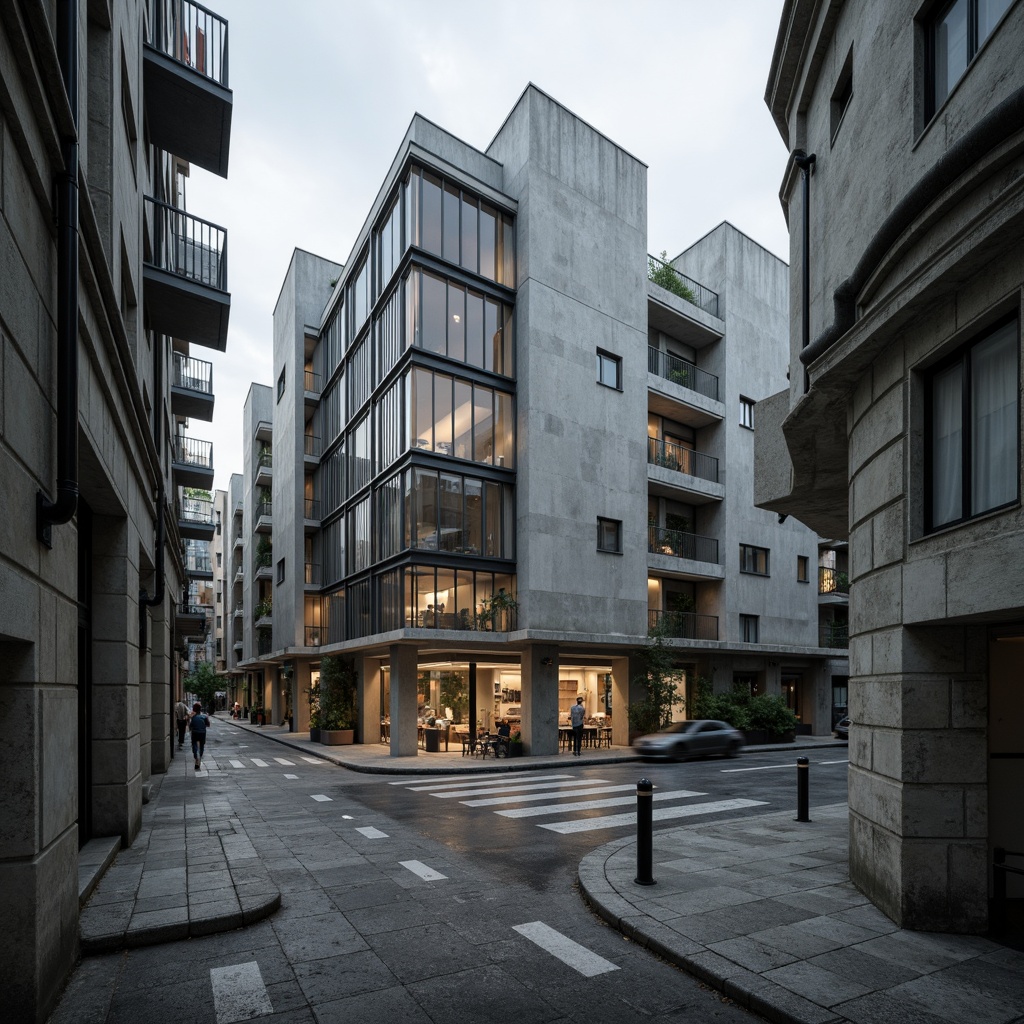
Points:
point(683, 625)
point(679, 284)
point(313, 635)
point(188, 246)
point(193, 374)
point(682, 372)
point(835, 635)
point(682, 545)
point(313, 574)
point(312, 446)
point(192, 452)
point(193, 36)
point(681, 459)
point(832, 581)
point(312, 382)
point(195, 510)
point(312, 509)
point(264, 508)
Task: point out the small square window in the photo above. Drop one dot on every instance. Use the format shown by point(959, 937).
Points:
point(802, 569)
point(749, 629)
point(609, 535)
point(280, 383)
point(841, 95)
point(754, 560)
point(280, 570)
point(609, 370)
point(747, 412)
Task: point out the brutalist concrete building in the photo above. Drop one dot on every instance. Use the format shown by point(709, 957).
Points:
point(109, 293)
point(900, 425)
point(502, 442)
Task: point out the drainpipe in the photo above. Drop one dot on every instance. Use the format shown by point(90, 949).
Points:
point(62, 509)
point(806, 164)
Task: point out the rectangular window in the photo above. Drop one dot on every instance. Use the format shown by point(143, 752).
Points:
point(280, 383)
point(748, 629)
point(971, 422)
point(280, 570)
point(753, 559)
point(802, 569)
point(609, 370)
point(747, 412)
point(609, 535)
point(955, 33)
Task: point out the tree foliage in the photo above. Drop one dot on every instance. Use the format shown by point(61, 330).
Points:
point(337, 693)
point(659, 681)
point(763, 712)
point(662, 273)
point(204, 683)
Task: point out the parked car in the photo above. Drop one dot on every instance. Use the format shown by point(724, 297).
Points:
point(681, 740)
point(841, 730)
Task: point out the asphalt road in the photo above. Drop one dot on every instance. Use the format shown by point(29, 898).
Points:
point(427, 899)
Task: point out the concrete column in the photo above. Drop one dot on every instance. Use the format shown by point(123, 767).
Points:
point(368, 705)
point(160, 689)
point(540, 699)
point(620, 701)
point(300, 694)
point(403, 700)
point(275, 682)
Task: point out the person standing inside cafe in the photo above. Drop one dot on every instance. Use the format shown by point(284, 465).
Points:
point(576, 715)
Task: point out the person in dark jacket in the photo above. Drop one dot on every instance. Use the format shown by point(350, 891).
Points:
point(198, 723)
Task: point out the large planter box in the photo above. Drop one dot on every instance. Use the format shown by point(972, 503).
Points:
point(337, 737)
point(754, 737)
point(432, 740)
point(515, 750)
point(314, 735)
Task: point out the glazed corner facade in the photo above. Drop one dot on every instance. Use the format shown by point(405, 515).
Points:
point(478, 450)
point(914, 232)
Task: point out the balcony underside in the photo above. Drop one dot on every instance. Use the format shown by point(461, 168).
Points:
point(187, 624)
point(192, 530)
point(681, 404)
point(667, 483)
point(186, 309)
point(188, 474)
point(189, 114)
point(683, 568)
point(680, 319)
point(196, 405)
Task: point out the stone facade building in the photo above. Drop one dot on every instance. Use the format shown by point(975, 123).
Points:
point(107, 285)
point(502, 442)
point(900, 425)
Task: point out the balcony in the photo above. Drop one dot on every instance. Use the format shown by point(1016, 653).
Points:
point(239, 543)
point(191, 619)
point(834, 635)
point(683, 625)
point(185, 278)
point(192, 462)
point(311, 514)
point(239, 574)
point(185, 80)
point(681, 307)
point(263, 614)
point(681, 390)
point(312, 449)
point(264, 431)
point(261, 567)
point(683, 555)
point(312, 579)
point(263, 519)
point(833, 582)
point(675, 471)
point(263, 474)
point(665, 275)
point(264, 641)
point(237, 613)
point(192, 388)
point(312, 389)
point(198, 564)
point(195, 519)
point(313, 635)
point(237, 646)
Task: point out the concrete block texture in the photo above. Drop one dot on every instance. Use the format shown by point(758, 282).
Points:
point(876, 601)
point(881, 424)
point(879, 481)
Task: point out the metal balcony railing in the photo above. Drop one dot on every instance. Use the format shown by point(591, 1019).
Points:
point(196, 510)
point(262, 560)
point(312, 446)
point(682, 545)
point(238, 610)
point(694, 292)
point(193, 374)
point(682, 372)
point(683, 625)
point(313, 635)
point(264, 460)
point(312, 382)
point(264, 641)
point(264, 508)
point(188, 246)
point(191, 452)
point(832, 581)
point(682, 460)
point(313, 574)
point(187, 608)
point(834, 634)
point(198, 561)
point(312, 509)
point(192, 35)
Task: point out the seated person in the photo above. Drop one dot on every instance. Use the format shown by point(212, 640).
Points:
point(504, 729)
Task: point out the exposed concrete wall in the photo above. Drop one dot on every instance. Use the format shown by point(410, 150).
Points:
point(259, 406)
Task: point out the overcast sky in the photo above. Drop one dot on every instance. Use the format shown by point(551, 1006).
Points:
point(325, 89)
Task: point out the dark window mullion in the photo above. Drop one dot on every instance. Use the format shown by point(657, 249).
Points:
point(966, 415)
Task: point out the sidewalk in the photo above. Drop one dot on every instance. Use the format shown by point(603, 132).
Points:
point(760, 908)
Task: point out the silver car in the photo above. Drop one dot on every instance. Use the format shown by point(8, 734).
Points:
point(681, 740)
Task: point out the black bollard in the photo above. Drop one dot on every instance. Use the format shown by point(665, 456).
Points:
point(644, 832)
point(803, 766)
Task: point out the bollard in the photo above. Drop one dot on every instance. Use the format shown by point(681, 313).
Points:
point(644, 832)
point(803, 766)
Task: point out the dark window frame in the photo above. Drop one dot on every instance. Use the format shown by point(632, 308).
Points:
point(280, 571)
point(616, 524)
point(605, 357)
point(747, 412)
point(803, 565)
point(755, 551)
point(750, 624)
point(281, 381)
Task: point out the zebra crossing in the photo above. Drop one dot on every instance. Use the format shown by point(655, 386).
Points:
point(569, 800)
point(211, 763)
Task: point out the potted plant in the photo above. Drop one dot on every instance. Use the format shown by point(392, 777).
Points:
point(338, 685)
point(314, 712)
point(769, 714)
point(497, 611)
point(515, 744)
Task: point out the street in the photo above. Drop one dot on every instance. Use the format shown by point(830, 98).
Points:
point(427, 898)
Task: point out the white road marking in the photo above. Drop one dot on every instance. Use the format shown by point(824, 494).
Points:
point(578, 957)
point(766, 767)
point(284, 760)
point(490, 780)
point(657, 813)
point(522, 797)
point(372, 833)
point(456, 779)
point(591, 805)
point(320, 797)
point(525, 787)
point(239, 993)
point(313, 760)
point(236, 764)
point(260, 763)
point(347, 817)
point(847, 761)
point(287, 776)
point(419, 868)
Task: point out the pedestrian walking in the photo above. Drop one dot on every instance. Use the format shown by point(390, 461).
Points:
point(198, 724)
point(181, 720)
point(577, 713)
